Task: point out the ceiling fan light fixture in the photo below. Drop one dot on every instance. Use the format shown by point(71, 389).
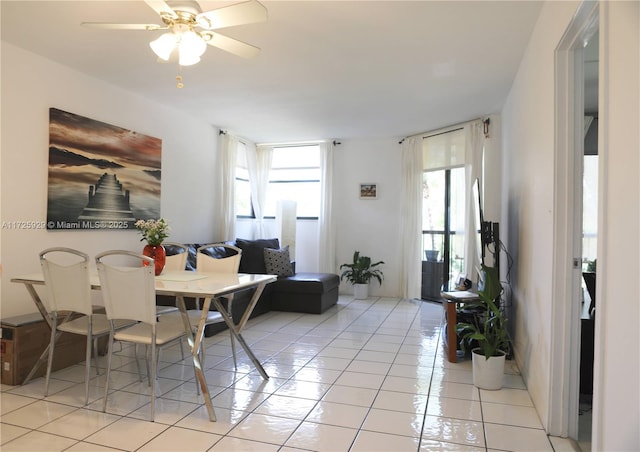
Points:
point(190, 48)
point(192, 42)
point(188, 35)
point(186, 59)
point(189, 43)
point(164, 45)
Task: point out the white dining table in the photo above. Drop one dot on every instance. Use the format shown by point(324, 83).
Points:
point(210, 287)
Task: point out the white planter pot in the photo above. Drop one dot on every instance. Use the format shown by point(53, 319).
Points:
point(487, 373)
point(360, 291)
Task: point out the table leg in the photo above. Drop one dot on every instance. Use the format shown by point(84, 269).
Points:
point(196, 342)
point(452, 338)
point(45, 315)
point(39, 304)
point(236, 330)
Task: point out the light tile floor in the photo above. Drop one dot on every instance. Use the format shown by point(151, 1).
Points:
point(367, 375)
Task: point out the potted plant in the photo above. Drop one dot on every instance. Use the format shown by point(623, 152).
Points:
point(488, 331)
point(359, 273)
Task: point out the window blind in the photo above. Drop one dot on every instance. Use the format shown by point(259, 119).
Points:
point(443, 150)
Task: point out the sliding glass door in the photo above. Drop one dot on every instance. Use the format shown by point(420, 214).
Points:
point(443, 221)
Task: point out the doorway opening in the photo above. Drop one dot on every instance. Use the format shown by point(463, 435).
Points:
point(589, 239)
point(570, 102)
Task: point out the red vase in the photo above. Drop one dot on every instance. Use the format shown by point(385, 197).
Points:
point(158, 254)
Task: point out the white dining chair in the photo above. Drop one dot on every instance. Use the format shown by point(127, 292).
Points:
point(128, 291)
point(230, 263)
point(176, 260)
point(177, 254)
point(68, 303)
point(208, 263)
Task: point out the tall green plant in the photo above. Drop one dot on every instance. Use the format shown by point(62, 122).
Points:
point(489, 327)
point(361, 271)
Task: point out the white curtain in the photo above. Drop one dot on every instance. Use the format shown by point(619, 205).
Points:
point(259, 164)
point(326, 229)
point(228, 145)
point(411, 217)
point(474, 148)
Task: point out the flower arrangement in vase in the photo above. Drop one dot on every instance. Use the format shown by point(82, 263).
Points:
point(154, 232)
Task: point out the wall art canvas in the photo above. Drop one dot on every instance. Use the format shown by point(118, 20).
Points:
point(368, 191)
point(100, 176)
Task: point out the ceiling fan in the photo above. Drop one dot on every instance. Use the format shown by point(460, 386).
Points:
point(189, 29)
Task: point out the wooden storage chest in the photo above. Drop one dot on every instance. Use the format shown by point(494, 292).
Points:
point(25, 337)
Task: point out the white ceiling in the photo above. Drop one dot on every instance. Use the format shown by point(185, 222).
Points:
point(327, 69)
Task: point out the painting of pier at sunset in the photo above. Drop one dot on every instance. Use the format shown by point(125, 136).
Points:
point(100, 176)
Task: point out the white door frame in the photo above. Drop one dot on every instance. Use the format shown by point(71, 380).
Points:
point(564, 385)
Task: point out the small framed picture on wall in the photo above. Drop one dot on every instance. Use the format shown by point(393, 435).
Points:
point(368, 191)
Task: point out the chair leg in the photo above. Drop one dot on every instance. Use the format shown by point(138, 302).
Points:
point(135, 353)
point(153, 380)
point(106, 383)
point(87, 368)
point(146, 361)
point(157, 361)
point(52, 343)
point(95, 355)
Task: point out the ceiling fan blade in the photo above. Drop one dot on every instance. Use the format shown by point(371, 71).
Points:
point(161, 7)
point(231, 45)
point(229, 16)
point(110, 26)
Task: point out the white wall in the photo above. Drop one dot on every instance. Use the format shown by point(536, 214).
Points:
point(528, 189)
point(528, 149)
point(492, 177)
point(369, 226)
point(30, 86)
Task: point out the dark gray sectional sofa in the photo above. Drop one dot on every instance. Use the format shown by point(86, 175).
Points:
point(299, 292)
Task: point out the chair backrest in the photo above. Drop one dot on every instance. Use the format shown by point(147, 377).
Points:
point(66, 277)
point(228, 264)
point(128, 290)
point(176, 256)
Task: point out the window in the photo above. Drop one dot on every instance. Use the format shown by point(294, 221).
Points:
point(294, 176)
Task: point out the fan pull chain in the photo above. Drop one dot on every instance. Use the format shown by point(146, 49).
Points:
point(179, 83)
